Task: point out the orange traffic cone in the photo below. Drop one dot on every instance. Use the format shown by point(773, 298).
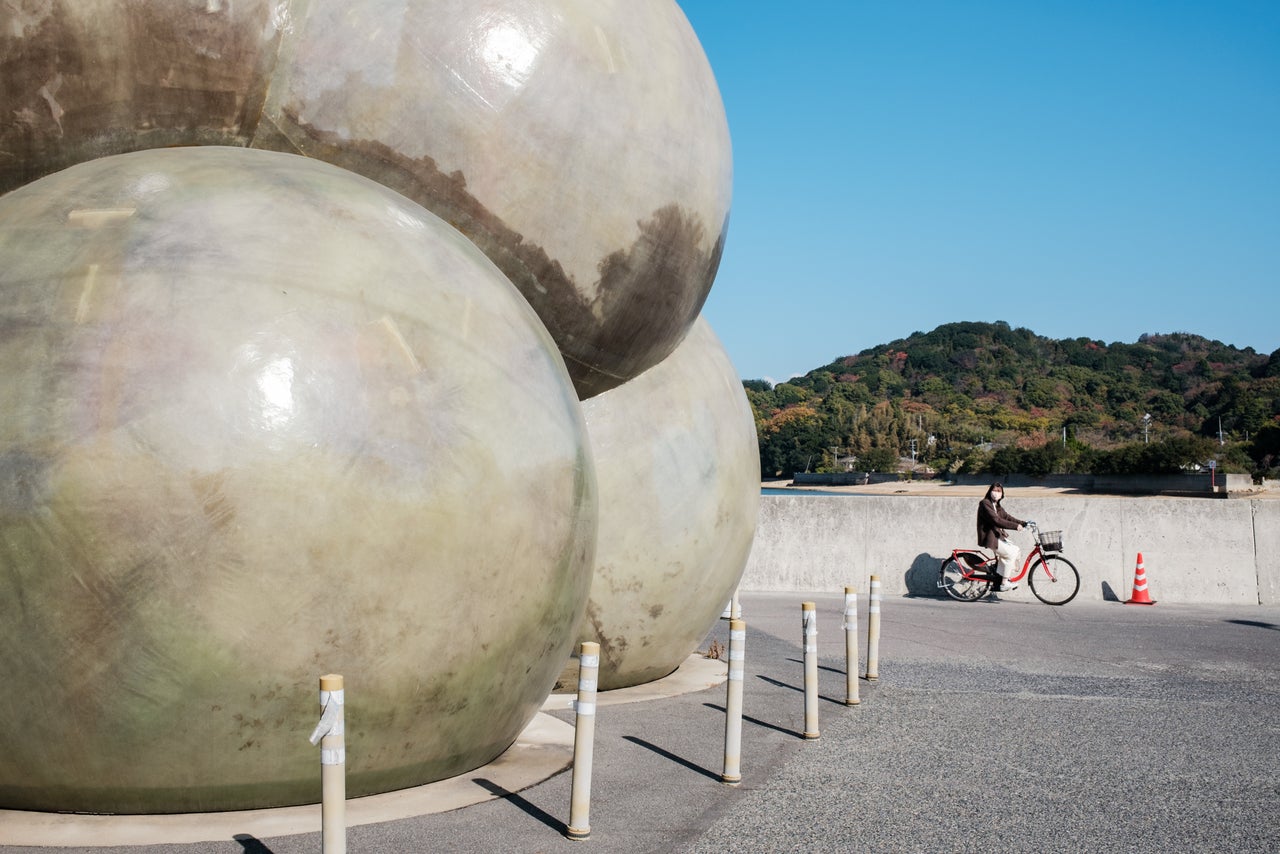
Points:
point(1140, 595)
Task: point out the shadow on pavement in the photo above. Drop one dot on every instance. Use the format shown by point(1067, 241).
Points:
point(760, 723)
point(251, 844)
point(839, 670)
point(1255, 624)
point(524, 805)
point(801, 690)
point(666, 754)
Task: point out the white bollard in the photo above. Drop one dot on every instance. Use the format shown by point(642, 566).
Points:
point(330, 734)
point(873, 630)
point(732, 608)
point(851, 647)
point(584, 731)
point(809, 620)
point(733, 704)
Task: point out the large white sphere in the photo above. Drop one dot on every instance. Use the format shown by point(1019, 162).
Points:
point(581, 144)
point(678, 468)
point(260, 420)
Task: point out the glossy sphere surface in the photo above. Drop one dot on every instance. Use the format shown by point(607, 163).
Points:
point(581, 144)
point(262, 419)
point(679, 474)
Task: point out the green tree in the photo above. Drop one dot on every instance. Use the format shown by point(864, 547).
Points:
point(878, 459)
point(1265, 450)
point(969, 383)
point(791, 441)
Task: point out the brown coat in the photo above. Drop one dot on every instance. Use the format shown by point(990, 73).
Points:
point(993, 522)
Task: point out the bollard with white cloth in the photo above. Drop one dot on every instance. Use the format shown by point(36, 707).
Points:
point(733, 704)
point(330, 734)
point(809, 619)
point(851, 647)
point(584, 730)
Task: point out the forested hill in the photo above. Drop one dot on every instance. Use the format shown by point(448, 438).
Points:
point(988, 397)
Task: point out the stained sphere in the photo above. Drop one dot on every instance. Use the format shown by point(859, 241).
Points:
point(678, 469)
point(262, 419)
point(581, 144)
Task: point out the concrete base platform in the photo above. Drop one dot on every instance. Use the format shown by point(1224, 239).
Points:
point(543, 749)
point(696, 674)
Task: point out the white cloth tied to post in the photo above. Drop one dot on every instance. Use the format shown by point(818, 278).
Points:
point(331, 719)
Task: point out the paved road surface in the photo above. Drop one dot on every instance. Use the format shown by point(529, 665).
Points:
point(993, 727)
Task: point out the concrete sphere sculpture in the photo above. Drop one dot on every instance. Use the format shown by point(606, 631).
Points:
point(581, 144)
point(678, 469)
point(263, 419)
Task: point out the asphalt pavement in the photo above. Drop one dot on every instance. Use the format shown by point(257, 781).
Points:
point(1010, 726)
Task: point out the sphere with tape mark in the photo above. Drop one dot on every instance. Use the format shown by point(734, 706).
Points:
point(262, 419)
point(678, 468)
point(581, 144)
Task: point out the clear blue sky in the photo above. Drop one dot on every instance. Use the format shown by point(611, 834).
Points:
point(1080, 168)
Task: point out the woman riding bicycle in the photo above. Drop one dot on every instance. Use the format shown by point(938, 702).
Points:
point(993, 523)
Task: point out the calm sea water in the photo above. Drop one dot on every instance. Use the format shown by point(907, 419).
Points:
point(774, 490)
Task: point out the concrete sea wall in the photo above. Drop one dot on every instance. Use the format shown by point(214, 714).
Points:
point(1194, 550)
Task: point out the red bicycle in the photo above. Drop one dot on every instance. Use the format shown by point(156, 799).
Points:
point(969, 573)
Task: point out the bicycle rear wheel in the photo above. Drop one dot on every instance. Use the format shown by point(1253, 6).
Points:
point(1054, 580)
point(951, 579)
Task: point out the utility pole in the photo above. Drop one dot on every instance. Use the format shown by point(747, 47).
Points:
point(1146, 425)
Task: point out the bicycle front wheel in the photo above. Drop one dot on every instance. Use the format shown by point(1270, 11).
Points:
point(952, 580)
point(1054, 580)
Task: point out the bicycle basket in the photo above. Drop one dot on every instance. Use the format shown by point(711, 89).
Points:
point(1051, 541)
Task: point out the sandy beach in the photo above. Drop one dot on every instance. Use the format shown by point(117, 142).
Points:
point(942, 488)
point(917, 487)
